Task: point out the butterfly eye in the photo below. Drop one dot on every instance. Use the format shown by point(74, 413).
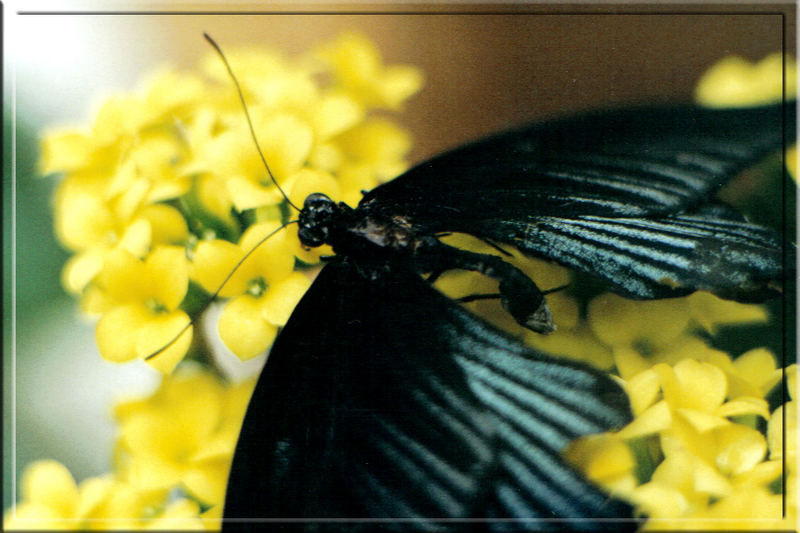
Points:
point(315, 219)
point(312, 236)
point(318, 202)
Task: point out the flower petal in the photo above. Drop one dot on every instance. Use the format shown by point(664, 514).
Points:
point(791, 161)
point(735, 82)
point(167, 270)
point(50, 484)
point(307, 181)
point(398, 83)
point(153, 473)
point(335, 113)
point(35, 516)
point(124, 278)
point(578, 343)
point(285, 141)
point(775, 431)
point(642, 389)
point(602, 457)
point(247, 195)
point(271, 259)
point(81, 269)
point(708, 480)
point(243, 329)
point(63, 151)
point(82, 219)
point(657, 500)
point(137, 237)
point(656, 418)
point(709, 311)
point(628, 361)
point(281, 298)
point(703, 385)
point(758, 367)
point(207, 480)
point(93, 493)
point(167, 224)
point(158, 332)
point(740, 448)
point(180, 515)
point(213, 261)
point(744, 406)
point(376, 140)
point(702, 421)
point(753, 508)
point(118, 331)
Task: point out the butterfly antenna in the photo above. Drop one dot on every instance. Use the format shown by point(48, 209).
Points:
point(247, 114)
point(556, 289)
point(219, 289)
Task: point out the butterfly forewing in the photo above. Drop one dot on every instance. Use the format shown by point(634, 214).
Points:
point(621, 195)
point(629, 162)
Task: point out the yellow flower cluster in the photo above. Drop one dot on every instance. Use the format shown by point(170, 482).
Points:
point(172, 458)
point(714, 473)
point(166, 191)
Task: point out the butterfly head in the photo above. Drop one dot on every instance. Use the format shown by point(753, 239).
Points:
point(316, 218)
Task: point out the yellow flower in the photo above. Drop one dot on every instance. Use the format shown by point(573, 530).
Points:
point(359, 69)
point(52, 500)
point(641, 334)
point(141, 312)
point(618, 321)
point(286, 142)
point(693, 396)
point(183, 435)
point(606, 460)
point(734, 81)
point(711, 464)
point(184, 139)
point(264, 289)
point(709, 311)
point(751, 374)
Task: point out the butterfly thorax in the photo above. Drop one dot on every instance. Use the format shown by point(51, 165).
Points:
point(353, 232)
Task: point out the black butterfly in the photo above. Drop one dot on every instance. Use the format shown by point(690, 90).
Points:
point(383, 403)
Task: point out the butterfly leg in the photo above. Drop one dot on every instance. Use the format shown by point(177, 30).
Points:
point(519, 295)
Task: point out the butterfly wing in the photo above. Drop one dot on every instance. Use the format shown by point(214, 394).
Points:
point(630, 162)
point(622, 195)
point(712, 248)
point(384, 403)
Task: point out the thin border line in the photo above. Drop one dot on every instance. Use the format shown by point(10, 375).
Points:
point(786, 297)
point(13, 269)
point(409, 12)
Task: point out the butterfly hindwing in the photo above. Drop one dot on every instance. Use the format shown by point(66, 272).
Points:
point(711, 249)
point(384, 401)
